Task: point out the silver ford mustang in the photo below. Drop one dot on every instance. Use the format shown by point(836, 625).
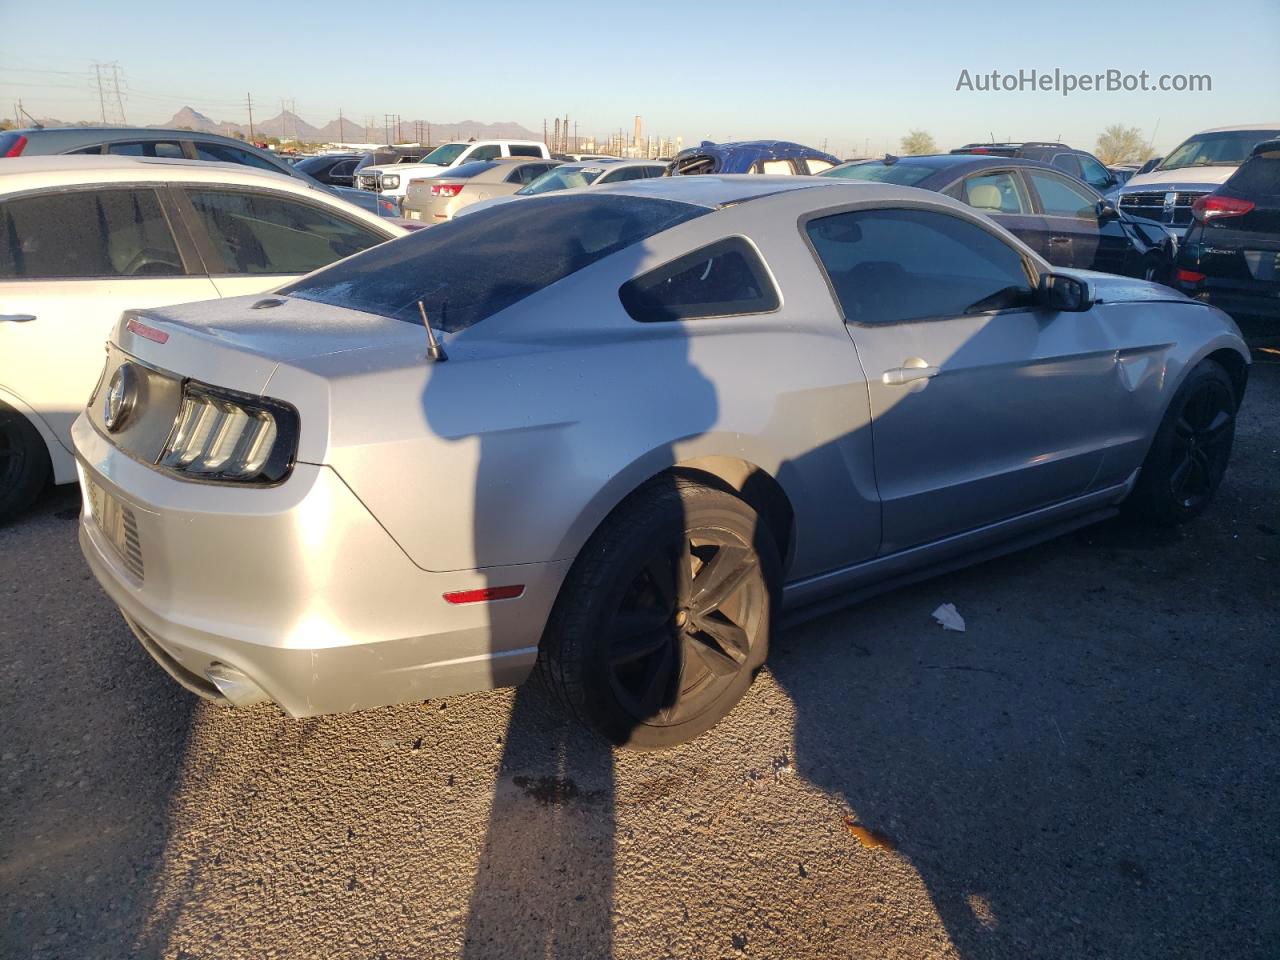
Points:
point(620, 435)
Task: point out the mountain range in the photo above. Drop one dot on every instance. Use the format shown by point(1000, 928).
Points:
point(287, 124)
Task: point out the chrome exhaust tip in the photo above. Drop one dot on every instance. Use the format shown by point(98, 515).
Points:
point(234, 686)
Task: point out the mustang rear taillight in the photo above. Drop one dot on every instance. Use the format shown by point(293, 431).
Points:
point(1190, 276)
point(1210, 207)
point(227, 436)
point(16, 148)
point(446, 189)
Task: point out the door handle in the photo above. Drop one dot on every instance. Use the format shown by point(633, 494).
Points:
point(908, 373)
point(17, 317)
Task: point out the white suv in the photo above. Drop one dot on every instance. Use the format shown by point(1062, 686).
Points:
point(393, 179)
point(84, 238)
point(1199, 165)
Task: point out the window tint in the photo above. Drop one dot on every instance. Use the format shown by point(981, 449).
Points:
point(724, 279)
point(225, 153)
point(528, 172)
point(994, 193)
point(887, 266)
point(487, 152)
point(1259, 176)
point(1094, 173)
point(159, 148)
point(471, 267)
point(1067, 162)
point(902, 172)
point(260, 233)
point(1060, 197)
point(524, 150)
point(108, 233)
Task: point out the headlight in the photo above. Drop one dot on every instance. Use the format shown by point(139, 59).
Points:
point(224, 435)
point(390, 181)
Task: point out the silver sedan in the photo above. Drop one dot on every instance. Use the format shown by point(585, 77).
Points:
point(623, 434)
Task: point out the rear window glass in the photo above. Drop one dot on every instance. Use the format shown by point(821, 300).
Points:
point(903, 174)
point(562, 178)
point(1259, 175)
point(724, 279)
point(470, 169)
point(470, 268)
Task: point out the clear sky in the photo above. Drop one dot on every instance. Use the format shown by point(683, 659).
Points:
point(855, 74)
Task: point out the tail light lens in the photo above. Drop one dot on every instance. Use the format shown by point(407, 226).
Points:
point(1189, 276)
point(15, 145)
point(223, 435)
point(446, 189)
point(1210, 207)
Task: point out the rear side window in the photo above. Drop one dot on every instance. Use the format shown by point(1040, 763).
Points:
point(224, 153)
point(489, 151)
point(86, 234)
point(471, 267)
point(994, 193)
point(169, 149)
point(725, 279)
point(1259, 176)
point(887, 266)
point(774, 167)
point(524, 150)
point(262, 233)
point(815, 165)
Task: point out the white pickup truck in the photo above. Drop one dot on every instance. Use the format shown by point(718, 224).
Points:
point(392, 180)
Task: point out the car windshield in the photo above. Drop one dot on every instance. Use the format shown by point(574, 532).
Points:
point(314, 164)
point(1226, 149)
point(469, 268)
point(562, 178)
point(903, 174)
point(444, 154)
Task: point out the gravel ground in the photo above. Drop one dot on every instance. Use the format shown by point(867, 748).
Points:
point(1089, 771)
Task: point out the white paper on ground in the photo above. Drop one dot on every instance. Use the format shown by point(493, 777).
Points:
point(949, 617)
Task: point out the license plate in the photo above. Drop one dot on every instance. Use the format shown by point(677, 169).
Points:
point(117, 525)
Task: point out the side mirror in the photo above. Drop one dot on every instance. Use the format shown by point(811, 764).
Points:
point(1062, 293)
point(1106, 211)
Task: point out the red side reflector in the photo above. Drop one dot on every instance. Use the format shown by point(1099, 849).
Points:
point(17, 148)
point(1190, 276)
point(147, 332)
point(485, 595)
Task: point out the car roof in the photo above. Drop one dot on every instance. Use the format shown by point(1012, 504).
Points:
point(89, 134)
point(1245, 126)
point(714, 190)
point(20, 173)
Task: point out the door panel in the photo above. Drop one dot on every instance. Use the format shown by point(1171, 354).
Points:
point(53, 361)
point(983, 407)
point(1013, 419)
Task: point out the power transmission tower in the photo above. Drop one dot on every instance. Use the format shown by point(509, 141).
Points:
point(109, 90)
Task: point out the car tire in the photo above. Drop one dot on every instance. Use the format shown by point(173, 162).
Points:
point(665, 616)
point(1190, 451)
point(24, 462)
point(1156, 270)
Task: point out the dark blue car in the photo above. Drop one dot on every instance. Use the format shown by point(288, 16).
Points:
point(1063, 219)
point(751, 156)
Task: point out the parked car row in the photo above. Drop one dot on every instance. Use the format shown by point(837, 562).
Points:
point(728, 398)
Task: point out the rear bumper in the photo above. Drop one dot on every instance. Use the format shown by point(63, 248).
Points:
point(1239, 300)
point(298, 593)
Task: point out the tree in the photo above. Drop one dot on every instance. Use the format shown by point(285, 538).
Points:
point(918, 142)
point(1121, 144)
